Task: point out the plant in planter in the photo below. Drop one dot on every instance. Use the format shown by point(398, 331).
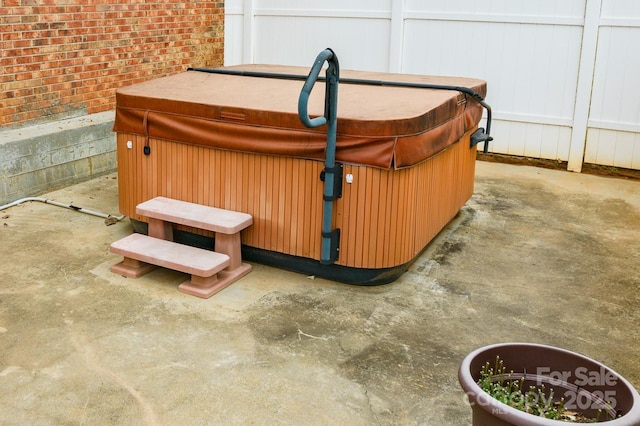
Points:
point(509, 388)
point(548, 386)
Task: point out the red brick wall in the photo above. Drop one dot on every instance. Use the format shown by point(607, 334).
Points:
point(62, 58)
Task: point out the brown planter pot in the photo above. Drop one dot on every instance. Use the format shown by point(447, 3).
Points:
point(583, 382)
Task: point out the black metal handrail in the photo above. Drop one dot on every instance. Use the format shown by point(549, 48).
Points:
point(331, 174)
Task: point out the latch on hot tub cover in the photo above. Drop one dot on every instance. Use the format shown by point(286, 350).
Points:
point(480, 136)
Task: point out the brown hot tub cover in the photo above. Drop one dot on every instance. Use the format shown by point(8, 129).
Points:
point(379, 126)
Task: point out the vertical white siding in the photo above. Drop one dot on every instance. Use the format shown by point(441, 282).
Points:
point(538, 57)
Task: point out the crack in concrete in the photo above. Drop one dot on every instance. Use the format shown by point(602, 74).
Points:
point(93, 362)
point(302, 333)
point(370, 405)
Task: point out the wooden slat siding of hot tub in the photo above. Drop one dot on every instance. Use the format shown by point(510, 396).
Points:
point(386, 216)
point(284, 210)
point(374, 218)
point(446, 183)
point(126, 172)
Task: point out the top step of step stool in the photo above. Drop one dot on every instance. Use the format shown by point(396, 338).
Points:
point(195, 215)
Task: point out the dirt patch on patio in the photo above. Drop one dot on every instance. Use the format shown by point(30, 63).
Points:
point(593, 169)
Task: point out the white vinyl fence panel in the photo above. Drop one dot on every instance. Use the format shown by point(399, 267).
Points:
point(613, 136)
point(561, 74)
point(530, 61)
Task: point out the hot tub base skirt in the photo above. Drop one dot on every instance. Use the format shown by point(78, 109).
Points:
point(303, 265)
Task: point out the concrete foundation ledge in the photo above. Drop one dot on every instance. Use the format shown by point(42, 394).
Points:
point(49, 156)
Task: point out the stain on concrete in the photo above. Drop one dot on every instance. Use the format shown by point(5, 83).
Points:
point(446, 249)
point(547, 257)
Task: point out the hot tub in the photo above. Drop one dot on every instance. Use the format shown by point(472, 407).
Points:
point(237, 142)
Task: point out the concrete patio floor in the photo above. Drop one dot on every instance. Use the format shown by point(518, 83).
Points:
point(536, 255)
